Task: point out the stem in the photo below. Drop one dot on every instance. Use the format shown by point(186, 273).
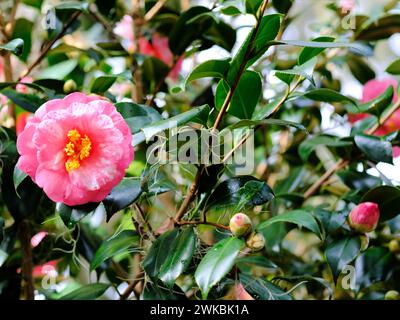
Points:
point(27, 264)
point(217, 225)
point(343, 163)
point(192, 191)
point(99, 18)
point(154, 10)
point(47, 48)
point(137, 90)
point(131, 286)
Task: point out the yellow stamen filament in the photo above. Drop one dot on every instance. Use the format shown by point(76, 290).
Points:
point(77, 149)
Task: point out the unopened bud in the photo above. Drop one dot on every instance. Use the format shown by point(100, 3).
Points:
point(255, 241)
point(240, 224)
point(364, 217)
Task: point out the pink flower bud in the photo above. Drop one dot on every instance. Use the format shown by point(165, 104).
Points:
point(364, 217)
point(240, 224)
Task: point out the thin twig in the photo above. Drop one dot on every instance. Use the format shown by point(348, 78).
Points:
point(194, 222)
point(154, 10)
point(27, 263)
point(99, 18)
point(47, 48)
point(131, 286)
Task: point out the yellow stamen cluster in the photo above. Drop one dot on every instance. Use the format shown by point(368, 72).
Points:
point(77, 149)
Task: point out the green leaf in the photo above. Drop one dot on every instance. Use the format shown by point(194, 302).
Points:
point(117, 244)
point(232, 7)
point(1, 231)
point(58, 71)
point(157, 291)
point(340, 253)
point(265, 122)
point(305, 70)
point(252, 6)
point(356, 47)
point(88, 292)
point(73, 5)
point(360, 68)
point(198, 115)
point(358, 180)
point(16, 46)
point(259, 261)
point(331, 221)
point(376, 106)
point(380, 29)
point(218, 261)
point(159, 253)
point(308, 53)
point(245, 97)
point(263, 289)
point(23, 30)
point(137, 116)
point(72, 215)
point(267, 110)
point(123, 195)
point(300, 217)
point(27, 101)
point(308, 146)
point(241, 190)
point(102, 84)
point(268, 30)
point(209, 69)
point(18, 177)
point(374, 148)
point(394, 67)
point(373, 265)
point(184, 33)
point(388, 200)
point(182, 250)
point(283, 6)
point(327, 95)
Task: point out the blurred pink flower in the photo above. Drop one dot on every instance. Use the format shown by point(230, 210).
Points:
point(37, 238)
point(21, 87)
point(156, 47)
point(347, 5)
point(44, 269)
point(373, 89)
point(76, 148)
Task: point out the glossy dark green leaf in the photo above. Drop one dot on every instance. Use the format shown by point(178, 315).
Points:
point(16, 46)
point(232, 7)
point(27, 101)
point(182, 250)
point(159, 253)
point(341, 253)
point(268, 30)
point(72, 215)
point(255, 261)
point(115, 245)
point(252, 6)
point(300, 217)
point(267, 110)
point(360, 68)
point(283, 6)
point(308, 53)
point(245, 190)
point(305, 70)
point(23, 30)
point(394, 67)
point(307, 147)
point(87, 292)
point(245, 97)
point(157, 291)
point(209, 69)
point(376, 106)
point(102, 84)
point(181, 36)
point(327, 95)
point(198, 115)
point(331, 220)
point(218, 261)
point(123, 195)
point(388, 200)
point(265, 122)
point(358, 180)
point(263, 289)
point(380, 29)
point(374, 148)
point(58, 71)
point(73, 5)
point(372, 266)
point(18, 177)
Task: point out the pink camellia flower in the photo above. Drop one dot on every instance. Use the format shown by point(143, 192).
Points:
point(76, 148)
point(156, 47)
point(21, 121)
point(364, 217)
point(21, 87)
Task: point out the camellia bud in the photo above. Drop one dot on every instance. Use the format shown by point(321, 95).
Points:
point(364, 217)
point(255, 241)
point(392, 295)
point(69, 86)
point(240, 224)
point(394, 246)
